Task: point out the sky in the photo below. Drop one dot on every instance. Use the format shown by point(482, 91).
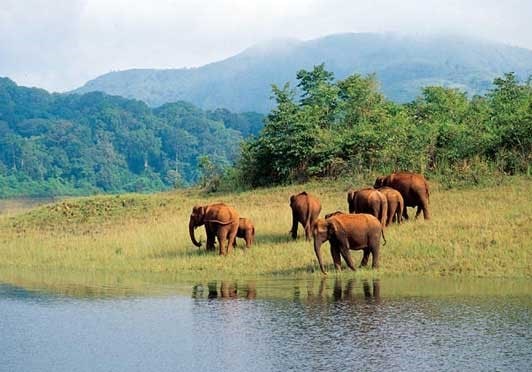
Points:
point(59, 45)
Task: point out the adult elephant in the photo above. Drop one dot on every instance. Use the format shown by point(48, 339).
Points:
point(220, 220)
point(345, 232)
point(413, 188)
point(395, 204)
point(369, 201)
point(246, 231)
point(305, 210)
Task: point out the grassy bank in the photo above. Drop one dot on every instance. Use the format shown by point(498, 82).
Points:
point(481, 232)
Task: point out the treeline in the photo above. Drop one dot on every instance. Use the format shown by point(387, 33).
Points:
point(52, 144)
point(328, 128)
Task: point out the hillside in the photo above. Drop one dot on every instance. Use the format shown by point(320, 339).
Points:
point(53, 144)
point(403, 65)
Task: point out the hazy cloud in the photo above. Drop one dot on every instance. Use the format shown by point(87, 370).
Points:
point(59, 45)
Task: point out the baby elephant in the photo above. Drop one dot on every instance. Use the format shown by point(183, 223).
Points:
point(395, 204)
point(246, 231)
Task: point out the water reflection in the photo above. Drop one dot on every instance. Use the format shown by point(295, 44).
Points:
point(313, 323)
point(226, 290)
point(337, 290)
point(350, 292)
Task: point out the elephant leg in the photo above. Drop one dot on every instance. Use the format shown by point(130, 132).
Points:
point(391, 213)
point(335, 253)
point(375, 258)
point(308, 231)
point(232, 238)
point(347, 257)
point(405, 213)
point(294, 225)
point(210, 238)
point(425, 207)
point(418, 212)
point(365, 257)
point(398, 216)
point(222, 237)
point(249, 239)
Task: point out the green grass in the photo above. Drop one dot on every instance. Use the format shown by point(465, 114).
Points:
point(475, 232)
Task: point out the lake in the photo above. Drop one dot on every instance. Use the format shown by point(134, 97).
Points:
point(333, 323)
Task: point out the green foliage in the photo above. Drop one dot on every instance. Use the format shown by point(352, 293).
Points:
point(54, 144)
point(211, 174)
point(348, 127)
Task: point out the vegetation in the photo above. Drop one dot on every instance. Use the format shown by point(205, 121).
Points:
point(474, 232)
point(345, 127)
point(326, 128)
point(54, 144)
point(403, 64)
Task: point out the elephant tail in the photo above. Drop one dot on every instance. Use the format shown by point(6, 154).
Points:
point(427, 190)
point(383, 238)
point(221, 222)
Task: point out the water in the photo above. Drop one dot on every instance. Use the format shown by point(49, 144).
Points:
point(268, 325)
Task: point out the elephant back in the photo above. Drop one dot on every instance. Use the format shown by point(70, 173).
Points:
point(221, 212)
point(412, 186)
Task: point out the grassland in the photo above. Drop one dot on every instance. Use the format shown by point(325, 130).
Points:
point(475, 232)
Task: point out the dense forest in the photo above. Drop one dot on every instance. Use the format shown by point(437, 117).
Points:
point(53, 144)
point(329, 128)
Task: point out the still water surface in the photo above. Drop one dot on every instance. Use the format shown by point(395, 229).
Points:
point(267, 325)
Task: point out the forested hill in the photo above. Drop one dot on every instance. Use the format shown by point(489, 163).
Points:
point(78, 144)
point(403, 66)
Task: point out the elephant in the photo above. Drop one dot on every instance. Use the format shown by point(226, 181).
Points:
point(413, 187)
point(368, 201)
point(220, 221)
point(333, 214)
point(395, 204)
point(246, 231)
point(345, 232)
point(305, 210)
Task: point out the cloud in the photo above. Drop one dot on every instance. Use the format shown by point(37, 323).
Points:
point(59, 45)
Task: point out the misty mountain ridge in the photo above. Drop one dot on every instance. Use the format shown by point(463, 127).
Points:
point(403, 64)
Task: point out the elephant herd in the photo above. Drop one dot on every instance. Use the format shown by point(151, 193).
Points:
point(370, 211)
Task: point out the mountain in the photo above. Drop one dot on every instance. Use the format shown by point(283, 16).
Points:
point(57, 144)
point(403, 65)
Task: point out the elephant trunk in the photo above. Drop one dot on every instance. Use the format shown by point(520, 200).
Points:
point(191, 227)
point(317, 249)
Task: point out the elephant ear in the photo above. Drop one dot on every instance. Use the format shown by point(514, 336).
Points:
point(292, 199)
point(336, 229)
point(199, 212)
